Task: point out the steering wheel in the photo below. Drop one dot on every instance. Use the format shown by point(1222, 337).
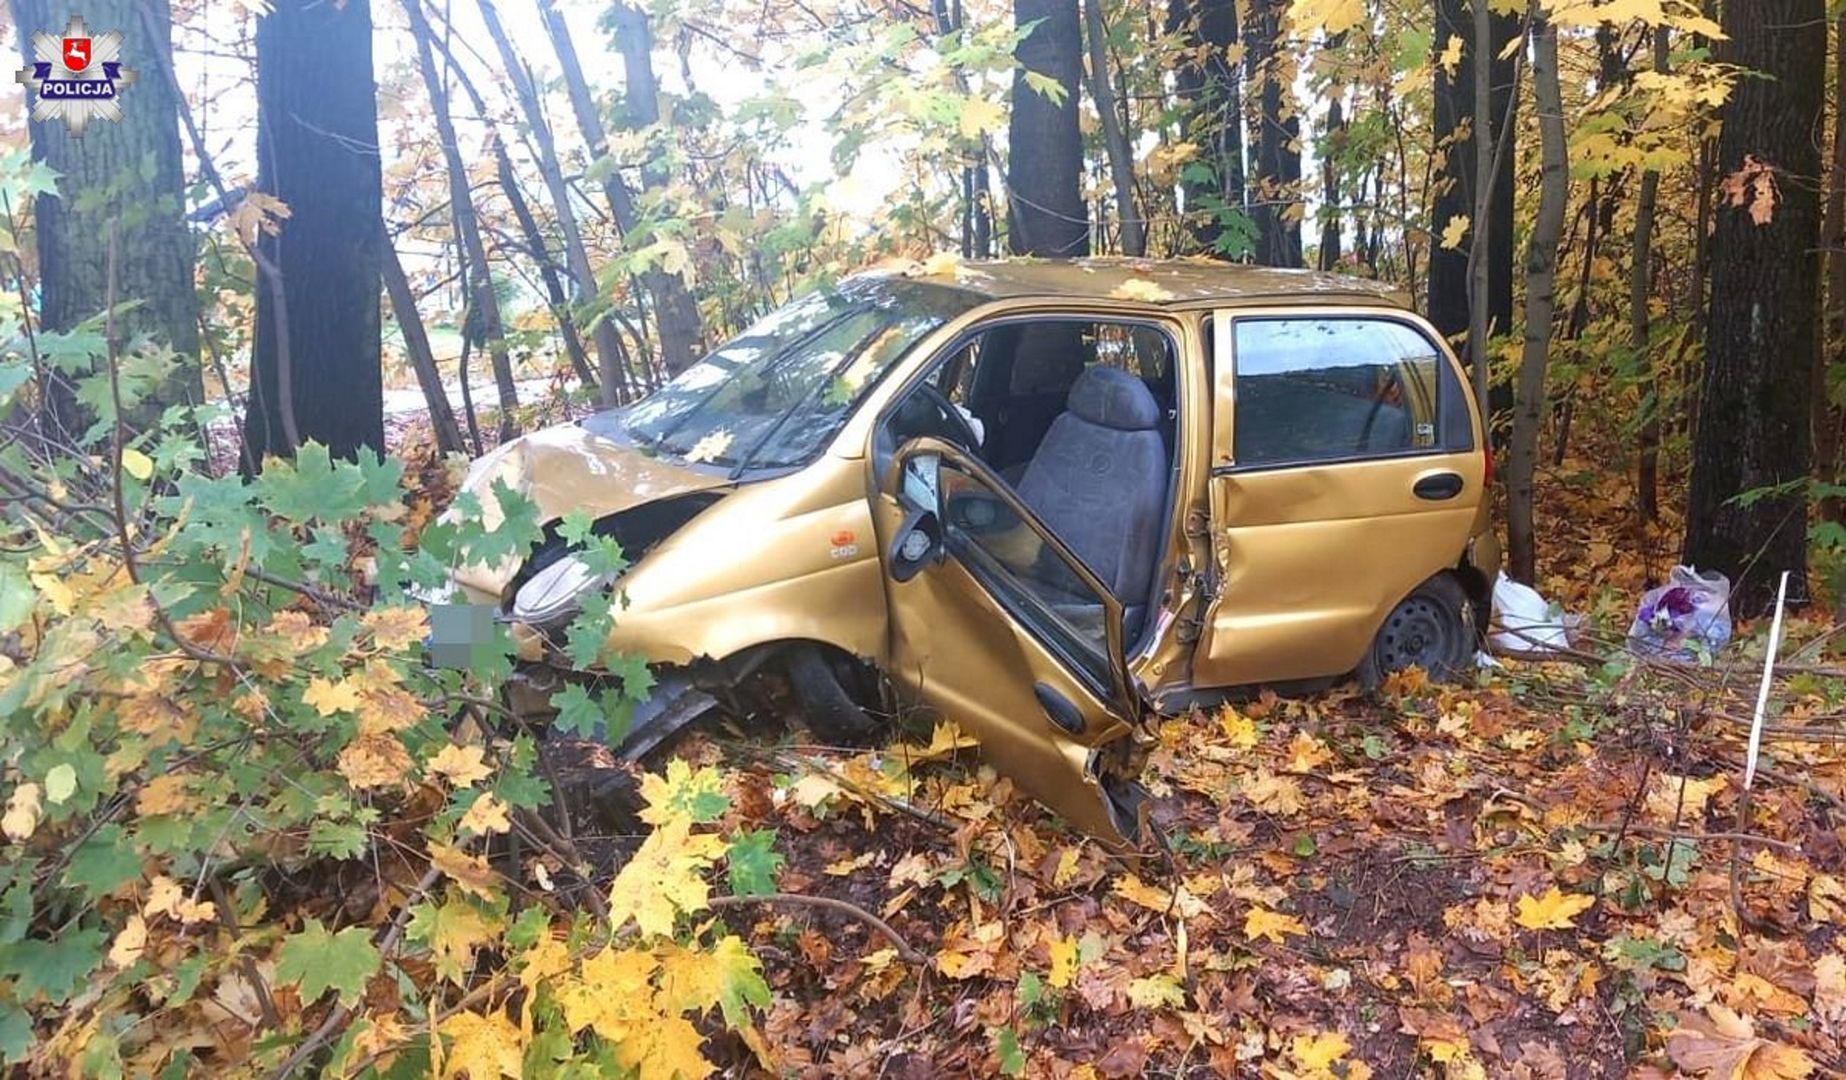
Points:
point(963, 432)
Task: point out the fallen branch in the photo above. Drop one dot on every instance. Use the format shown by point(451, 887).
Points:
point(842, 906)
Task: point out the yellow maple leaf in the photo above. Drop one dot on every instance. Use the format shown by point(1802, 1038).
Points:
point(130, 942)
point(374, 761)
point(682, 791)
point(612, 992)
point(1064, 962)
point(486, 815)
point(471, 872)
point(22, 812)
point(1182, 903)
point(1142, 290)
point(387, 709)
point(169, 793)
point(710, 448)
point(399, 627)
point(1317, 1052)
point(483, 1047)
point(1273, 925)
point(1722, 1044)
point(696, 980)
point(944, 741)
point(1553, 911)
point(1238, 728)
point(1273, 793)
point(299, 631)
point(461, 766)
point(328, 697)
point(664, 877)
point(1307, 753)
point(1455, 232)
point(979, 116)
point(1155, 991)
point(665, 1049)
point(167, 897)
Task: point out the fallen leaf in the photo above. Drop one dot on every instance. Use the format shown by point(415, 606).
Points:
point(1553, 911)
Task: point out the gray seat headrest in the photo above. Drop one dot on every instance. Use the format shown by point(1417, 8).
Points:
point(1112, 398)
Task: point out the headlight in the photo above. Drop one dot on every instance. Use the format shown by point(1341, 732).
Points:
point(554, 593)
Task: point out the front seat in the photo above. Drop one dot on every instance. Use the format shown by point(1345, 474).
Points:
point(1099, 481)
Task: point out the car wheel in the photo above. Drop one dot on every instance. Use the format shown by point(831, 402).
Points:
point(825, 704)
point(1432, 628)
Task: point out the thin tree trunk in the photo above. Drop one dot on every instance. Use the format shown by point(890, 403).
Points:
point(467, 393)
point(547, 268)
point(1640, 322)
point(417, 347)
point(1479, 324)
point(1209, 90)
point(1276, 191)
point(1541, 300)
point(1115, 141)
point(676, 311)
point(613, 382)
point(1833, 349)
point(1331, 145)
point(479, 287)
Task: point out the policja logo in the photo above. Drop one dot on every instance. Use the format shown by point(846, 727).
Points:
point(78, 78)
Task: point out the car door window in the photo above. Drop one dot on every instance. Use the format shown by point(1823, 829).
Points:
point(1012, 558)
point(1339, 389)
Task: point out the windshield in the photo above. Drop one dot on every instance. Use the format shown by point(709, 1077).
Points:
point(772, 397)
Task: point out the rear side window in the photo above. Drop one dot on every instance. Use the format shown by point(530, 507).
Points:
point(1341, 389)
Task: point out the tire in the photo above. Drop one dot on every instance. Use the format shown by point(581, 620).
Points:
point(1432, 628)
point(825, 705)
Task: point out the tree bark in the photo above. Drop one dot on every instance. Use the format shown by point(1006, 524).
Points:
point(613, 381)
point(1640, 322)
point(676, 311)
point(129, 173)
point(547, 268)
point(417, 348)
point(1115, 141)
point(1209, 89)
point(478, 285)
point(1456, 188)
point(1832, 353)
point(1275, 204)
point(1045, 205)
point(1765, 279)
point(317, 147)
point(1541, 301)
point(1333, 143)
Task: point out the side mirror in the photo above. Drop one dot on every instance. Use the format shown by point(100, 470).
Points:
point(918, 544)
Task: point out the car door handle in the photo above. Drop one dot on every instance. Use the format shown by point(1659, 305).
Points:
point(1062, 711)
point(1438, 486)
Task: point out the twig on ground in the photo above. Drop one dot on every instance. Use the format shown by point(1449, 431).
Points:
point(844, 907)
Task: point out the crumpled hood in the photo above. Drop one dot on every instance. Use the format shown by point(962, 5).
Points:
point(567, 468)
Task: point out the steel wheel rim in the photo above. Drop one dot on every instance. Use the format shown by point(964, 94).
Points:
point(1419, 632)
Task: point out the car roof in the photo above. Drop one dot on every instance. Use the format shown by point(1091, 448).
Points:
point(1190, 282)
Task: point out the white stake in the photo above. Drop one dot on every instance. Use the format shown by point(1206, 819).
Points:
point(1762, 693)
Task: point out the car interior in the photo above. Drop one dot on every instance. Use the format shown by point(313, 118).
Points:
point(1078, 417)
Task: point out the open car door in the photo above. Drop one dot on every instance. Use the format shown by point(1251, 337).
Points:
point(997, 626)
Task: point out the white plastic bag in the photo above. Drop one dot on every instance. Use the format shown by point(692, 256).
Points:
point(1692, 611)
point(1526, 621)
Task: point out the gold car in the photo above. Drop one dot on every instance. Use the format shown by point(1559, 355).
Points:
point(1050, 501)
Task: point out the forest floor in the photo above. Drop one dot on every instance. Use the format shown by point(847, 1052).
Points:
point(1551, 872)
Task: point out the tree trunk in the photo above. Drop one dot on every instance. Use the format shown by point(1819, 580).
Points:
point(1275, 204)
point(128, 172)
point(1765, 281)
point(1541, 301)
point(1832, 353)
point(478, 285)
point(1640, 322)
point(417, 348)
point(676, 311)
point(1333, 143)
point(1480, 319)
point(317, 147)
point(1045, 205)
point(1456, 190)
point(547, 268)
point(1115, 141)
point(613, 381)
point(1208, 86)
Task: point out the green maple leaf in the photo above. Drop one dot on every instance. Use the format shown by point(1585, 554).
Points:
point(15, 1034)
point(579, 714)
point(752, 862)
point(103, 863)
point(318, 961)
point(583, 641)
